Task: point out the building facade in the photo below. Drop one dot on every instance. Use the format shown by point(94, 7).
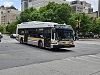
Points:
point(37, 3)
point(24, 4)
point(81, 6)
point(93, 15)
point(8, 14)
point(98, 8)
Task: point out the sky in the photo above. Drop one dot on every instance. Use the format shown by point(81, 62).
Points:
point(94, 3)
point(17, 3)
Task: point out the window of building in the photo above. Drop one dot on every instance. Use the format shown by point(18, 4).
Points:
point(25, 4)
point(1, 12)
point(81, 3)
point(74, 2)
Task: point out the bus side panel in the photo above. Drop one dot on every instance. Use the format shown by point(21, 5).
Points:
point(33, 41)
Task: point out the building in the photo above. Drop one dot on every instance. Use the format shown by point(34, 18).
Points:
point(81, 6)
point(2, 10)
point(24, 4)
point(76, 6)
point(8, 14)
point(93, 15)
point(37, 3)
point(98, 8)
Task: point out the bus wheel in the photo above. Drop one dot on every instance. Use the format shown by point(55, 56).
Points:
point(40, 44)
point(21, 40)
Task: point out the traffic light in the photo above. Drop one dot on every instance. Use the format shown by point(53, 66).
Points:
point(78, 23)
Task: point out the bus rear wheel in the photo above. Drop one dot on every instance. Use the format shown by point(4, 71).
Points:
point(40, 44)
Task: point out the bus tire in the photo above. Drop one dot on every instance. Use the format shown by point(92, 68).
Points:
point(21, 40)
point(40, 44)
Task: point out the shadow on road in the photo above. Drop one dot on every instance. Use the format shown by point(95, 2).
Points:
point(46, 49)
point(59, 50)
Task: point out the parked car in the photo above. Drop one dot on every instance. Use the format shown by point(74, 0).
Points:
point(13, 35)
point(1, 35)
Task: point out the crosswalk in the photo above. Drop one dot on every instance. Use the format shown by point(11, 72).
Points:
point(94, 59)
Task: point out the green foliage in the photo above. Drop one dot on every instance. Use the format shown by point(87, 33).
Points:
point(27, 15)
point(93, 26)
point(85, 22)
point(11, 28)
point(60, 13)
point(55, 12)
point(97, 26)
point(1, 28)
point(63, 13)
point(73, 20)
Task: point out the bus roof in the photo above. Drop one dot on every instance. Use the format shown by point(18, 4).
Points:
point(38, 24)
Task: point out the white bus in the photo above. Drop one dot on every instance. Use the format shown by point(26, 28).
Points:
point(46, 34)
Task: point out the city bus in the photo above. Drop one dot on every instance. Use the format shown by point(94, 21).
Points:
point(45, 34)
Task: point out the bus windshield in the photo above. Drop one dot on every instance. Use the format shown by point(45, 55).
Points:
point(64, 34)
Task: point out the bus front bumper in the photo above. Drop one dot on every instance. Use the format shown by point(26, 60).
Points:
point(63, 46)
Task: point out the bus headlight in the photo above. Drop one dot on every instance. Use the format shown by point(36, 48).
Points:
point(54, 43)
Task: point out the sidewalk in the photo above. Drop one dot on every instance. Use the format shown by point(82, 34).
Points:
point(83, 65)
point(88, 41)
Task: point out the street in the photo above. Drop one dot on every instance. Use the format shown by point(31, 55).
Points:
point(14, 54)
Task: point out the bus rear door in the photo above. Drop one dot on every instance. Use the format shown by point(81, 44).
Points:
point(47, 37)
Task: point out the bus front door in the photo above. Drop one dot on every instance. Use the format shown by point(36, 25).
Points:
point(47, 37)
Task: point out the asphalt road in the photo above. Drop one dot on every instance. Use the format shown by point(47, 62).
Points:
point(14, 54)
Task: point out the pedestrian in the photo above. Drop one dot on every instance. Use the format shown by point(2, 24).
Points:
point(75, 36)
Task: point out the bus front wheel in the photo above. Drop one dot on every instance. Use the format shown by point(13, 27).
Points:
point(40, 44)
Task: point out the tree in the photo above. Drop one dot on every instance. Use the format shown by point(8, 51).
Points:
point(1, 28)
point(73, 20)
point(35, 16)
point(97, 26)
point(11, 28)
point(85, 23)
point(93, 25)
point(55, 12)
point(27, 15)
point(73, 23)
point(63, 13)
